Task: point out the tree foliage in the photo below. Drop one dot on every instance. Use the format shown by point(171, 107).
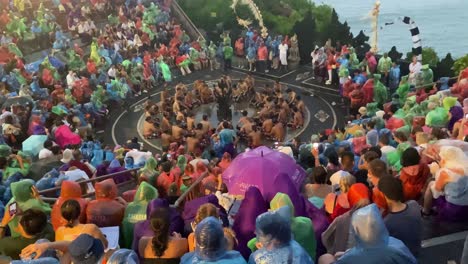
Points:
point(429, 56)
point(444, 67)
point(460, 64)
point(307, 30)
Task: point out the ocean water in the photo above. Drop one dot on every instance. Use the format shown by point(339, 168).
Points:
point(443, 24)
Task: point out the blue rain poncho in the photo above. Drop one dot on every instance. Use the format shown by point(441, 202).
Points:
point(211, 245)
point(373, 244)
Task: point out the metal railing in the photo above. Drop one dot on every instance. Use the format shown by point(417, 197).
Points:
point(179, 9)
point(189, 190)
point(100, 178)
point(432, 83)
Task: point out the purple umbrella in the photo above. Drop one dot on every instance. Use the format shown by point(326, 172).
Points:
point(260, 167)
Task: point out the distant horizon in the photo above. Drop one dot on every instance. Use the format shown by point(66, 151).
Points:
point(445, 33)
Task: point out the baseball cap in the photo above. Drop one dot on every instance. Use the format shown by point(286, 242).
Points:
point(86, 249)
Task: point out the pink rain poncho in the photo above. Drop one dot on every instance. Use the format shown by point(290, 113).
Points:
point(64, 136)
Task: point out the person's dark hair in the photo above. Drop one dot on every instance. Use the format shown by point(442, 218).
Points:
point(319, 175)
point(33, 221)
point(199, 126)
point(371, 124)
point(410, 157)
point(370, 156)
point(347, 155)
point(166, 166)
point(77, 155)
point(205, 117)
point(400, 135)
point(384, 140)
point(377, 150)
point(378, 168)
point(70, 211)
point(160, 223)
point(276, 226)
point(332, 156)
point(225, 124)
point(48, 144)
point(392, 188)
point(245, 113)
point(438, 133)
point(8, 119)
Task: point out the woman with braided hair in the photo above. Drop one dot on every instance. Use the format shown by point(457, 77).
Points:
point(162, 245)
point(71, 211)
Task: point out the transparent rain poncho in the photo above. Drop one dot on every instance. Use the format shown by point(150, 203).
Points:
point(373, 243)
point(272, 224)
point(211, 245)
point(124, 256)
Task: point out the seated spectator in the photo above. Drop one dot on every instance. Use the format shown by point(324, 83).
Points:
point(336, 238)
point(373, 244)
point(71, 211)
point(69, 190)
point(107, 209)
point(136, 211)
point(163, 245)
point(46, 151)
point(403, 220)
point(413, 175)
point(363, 166)
point(26, 196)
point(84, 249)
point(377, 170)
point(337, 203)
point(32, 227)
point(203, 212)
point(450, 185)
point(143, 228)
point(211, 245)
point(318, 189)
point(251, 206)
point(274, 241)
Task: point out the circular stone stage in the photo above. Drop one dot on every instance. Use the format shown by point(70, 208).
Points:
point(211, 111)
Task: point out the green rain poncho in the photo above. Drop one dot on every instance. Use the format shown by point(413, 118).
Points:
point(353, 59)
point(380, 91)
point(17, 26)
point(94, 55)
point(19, 77)
point(437, 117)
point(98, 97)
point(394, 157)
point(113, 20)
point(181, 163)
point(5, 150)
point(449, 102)
point(136, 211)
point(15, 167)
point(372, 108)
point(194, 54)
point(136, 75)
point(302, 227)
point(212, 50)
point(15, 50)
point(126, 64)
point(150, 14)
point(426, 77)
point(75, 63)
point(403, 89)
point(165, 71)
point(150, 171)
point(69, 98)
point(145, 28)
point(23, 196)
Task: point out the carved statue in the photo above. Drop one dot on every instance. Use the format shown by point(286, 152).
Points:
point(294, 50)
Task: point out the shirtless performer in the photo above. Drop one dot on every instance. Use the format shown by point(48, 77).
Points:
point(255, 137)
point(206, 124)
point(278, 132)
